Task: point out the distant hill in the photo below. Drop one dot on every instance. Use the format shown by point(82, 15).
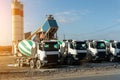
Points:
point(6, 48)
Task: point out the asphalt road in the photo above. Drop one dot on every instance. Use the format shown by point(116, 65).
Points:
point(104, 77)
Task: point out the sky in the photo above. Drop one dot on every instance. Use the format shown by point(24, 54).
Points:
point(77, 19)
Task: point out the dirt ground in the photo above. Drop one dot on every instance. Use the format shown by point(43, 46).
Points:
point(9, 70)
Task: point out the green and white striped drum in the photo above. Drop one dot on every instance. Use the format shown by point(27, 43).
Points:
point(25, 47)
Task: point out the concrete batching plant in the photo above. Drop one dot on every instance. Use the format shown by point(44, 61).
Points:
point(17, 23)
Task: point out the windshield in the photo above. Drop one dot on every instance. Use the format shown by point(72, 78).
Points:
point(81, 45)
point(51, 46)
point(100, 45)
point(118, 45)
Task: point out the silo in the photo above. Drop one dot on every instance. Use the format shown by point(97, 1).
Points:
point(17, 23)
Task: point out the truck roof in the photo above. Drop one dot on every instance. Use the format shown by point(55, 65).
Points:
point(50, 41)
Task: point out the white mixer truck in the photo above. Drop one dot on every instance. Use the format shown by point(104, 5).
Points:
point(37, 54)
point(73, 51)
point(44, 48)
point(114, 50)
point(98, 50)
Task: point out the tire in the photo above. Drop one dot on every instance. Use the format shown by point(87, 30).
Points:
point(20, 62)
point(88, 57)
point(32, 64)
point(70, 61)
point(112, 59)
point(38, 64)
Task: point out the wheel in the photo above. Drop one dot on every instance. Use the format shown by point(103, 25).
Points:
point(18, 62)
point(38, 64)
point(112, 58)
point(88, 57)
point(21, 63)
point(32, 64)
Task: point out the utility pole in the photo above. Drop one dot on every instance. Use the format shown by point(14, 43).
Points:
point(64, 36)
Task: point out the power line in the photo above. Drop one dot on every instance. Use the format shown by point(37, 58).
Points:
point(93, 33)
point(103, 29)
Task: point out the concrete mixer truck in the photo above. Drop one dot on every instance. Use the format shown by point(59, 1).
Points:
point(114, 50)
point(43, 49)
point(97, 49)
point(37, 54)
point(73, 52)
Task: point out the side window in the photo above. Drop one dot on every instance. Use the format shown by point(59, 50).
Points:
point(71, 46)
point(40, 47)
point(91, 45)
point(87, 44)
point(113, 45)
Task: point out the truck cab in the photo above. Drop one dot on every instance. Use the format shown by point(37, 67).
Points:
point(48, 52)
point(74, 51)
point(114, 50)
point(98, 50)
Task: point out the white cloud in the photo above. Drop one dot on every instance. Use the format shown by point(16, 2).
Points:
point(67, 17)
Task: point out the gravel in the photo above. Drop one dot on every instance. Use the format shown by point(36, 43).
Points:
point(14, 72)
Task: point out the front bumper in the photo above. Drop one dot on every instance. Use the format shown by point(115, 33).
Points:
point(100, 56)
point(81, 56)
point(52, 59)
